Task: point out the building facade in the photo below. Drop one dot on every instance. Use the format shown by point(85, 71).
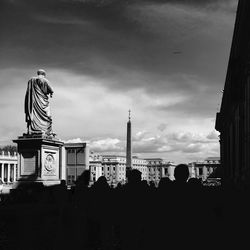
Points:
point(8, 167)
point(203, 169)
point(114, 168)
point(76, 160)
point(141, 165)
point(95, 167)
point(233, 120)
point(159, 168)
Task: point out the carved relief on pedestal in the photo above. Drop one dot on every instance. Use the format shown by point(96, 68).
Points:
point(50, 164)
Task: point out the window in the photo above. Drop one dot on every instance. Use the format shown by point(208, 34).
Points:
point(80, 156)
point(71, 157)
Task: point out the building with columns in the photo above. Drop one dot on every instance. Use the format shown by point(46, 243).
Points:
point(8, 167)
point(203, 169)
point(141, 165)
point(114, 169)
point(95, 167)
point(159, 168)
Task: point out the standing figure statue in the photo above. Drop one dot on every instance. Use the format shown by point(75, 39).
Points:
point(37, 110)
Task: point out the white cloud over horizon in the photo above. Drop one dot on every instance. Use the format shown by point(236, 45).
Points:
point(189, 146)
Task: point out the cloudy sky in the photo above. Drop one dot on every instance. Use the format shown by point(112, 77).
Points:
point(165, 60)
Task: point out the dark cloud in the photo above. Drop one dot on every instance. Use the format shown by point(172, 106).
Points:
point(114, 41)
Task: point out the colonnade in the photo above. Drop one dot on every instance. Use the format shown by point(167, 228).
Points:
point(8, 167)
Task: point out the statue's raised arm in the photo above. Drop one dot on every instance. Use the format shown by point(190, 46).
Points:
point(37, 110)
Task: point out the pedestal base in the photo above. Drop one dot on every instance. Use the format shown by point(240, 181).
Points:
point(39, 159)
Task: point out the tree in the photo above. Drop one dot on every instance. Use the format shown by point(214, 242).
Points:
point(9, 148)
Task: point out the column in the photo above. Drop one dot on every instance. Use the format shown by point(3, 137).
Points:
point(91, 173)
point(8, 173)
point(197, 173)
point(204, 173)
point(14, 172)
point(2, 172)
point(86, 157)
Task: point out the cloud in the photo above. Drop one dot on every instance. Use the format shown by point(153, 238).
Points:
point(214, 135)
point(107, 145)
point(193, 146)
point(162, 127)
point(127, 46)
point(75, 140)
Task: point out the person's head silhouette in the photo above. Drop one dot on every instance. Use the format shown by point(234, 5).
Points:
point(83, 179)
point(102, 182)
point(181, 173)
point(164, 183)
point(134, 176)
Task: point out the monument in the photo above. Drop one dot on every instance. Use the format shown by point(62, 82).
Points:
point(39, 151)
point(129, 146)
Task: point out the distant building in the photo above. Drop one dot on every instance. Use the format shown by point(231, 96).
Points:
point(114, 169)
point(95, 167)
point(141, 165)
point(159, 168)
point(8, 167)
point(203, 169)
point(233, 120)
point(76, 160)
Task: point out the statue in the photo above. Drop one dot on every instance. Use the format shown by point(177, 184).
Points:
point(37, 110)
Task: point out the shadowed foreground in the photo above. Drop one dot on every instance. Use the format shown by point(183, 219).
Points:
point(133, 216)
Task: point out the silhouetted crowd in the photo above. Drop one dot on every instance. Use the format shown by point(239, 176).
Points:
point(128, 217)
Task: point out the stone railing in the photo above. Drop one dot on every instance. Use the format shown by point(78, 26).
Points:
point(8, 155)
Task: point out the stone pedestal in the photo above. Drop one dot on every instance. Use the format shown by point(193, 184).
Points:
point(39, 159)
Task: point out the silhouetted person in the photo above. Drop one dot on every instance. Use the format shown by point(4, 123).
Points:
point(152, 186)
point(164, 184)
point(76, 226)
point(144, 184)
point(132, 212)
point(194, 183)
point(119, 186)
point(182, 214)
point(134, 177)
point(181, 174)
point(100, 224)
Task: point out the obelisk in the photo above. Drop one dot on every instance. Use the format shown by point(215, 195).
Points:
point(129, 146)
